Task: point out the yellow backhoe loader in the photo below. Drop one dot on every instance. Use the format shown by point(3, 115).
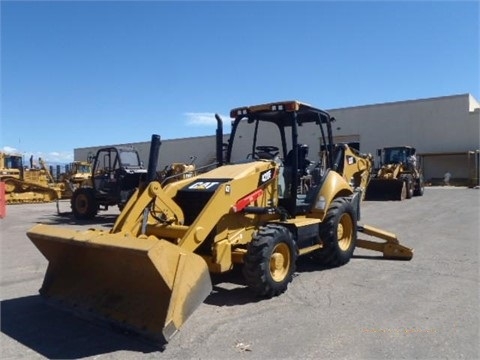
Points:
point(27, 185)
point(152, 269)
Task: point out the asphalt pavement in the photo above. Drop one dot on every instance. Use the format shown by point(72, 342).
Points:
point(370, 308)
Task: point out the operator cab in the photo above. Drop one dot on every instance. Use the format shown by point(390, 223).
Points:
point(395, 154)
point(288, 133)
point(116, 172)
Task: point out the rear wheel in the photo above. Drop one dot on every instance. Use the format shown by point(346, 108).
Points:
point(338, 233)
point(84, 205)
point(420, 187)
point(409, 187)
point(402, 195)
point(270, 261)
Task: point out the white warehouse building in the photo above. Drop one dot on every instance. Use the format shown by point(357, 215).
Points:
point(444, 130)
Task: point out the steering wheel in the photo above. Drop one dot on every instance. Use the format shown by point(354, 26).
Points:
point(272, 151)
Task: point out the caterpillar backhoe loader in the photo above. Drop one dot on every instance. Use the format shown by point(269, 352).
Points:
point(152, 269)
point(27, 185)
point(398, 176)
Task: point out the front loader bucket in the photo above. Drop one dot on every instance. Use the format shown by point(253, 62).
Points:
point(381, 189)
point(145, 285)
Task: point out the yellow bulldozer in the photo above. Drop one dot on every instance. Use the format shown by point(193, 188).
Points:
point(177, 171)
point(151, 270)
point(399, 175)
point(27, 184)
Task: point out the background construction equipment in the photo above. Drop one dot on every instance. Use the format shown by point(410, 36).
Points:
point(27, 184)
point(398, 176)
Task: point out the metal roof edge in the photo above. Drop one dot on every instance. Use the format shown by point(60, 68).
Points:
point(468, 95)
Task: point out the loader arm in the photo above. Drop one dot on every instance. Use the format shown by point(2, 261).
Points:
point(134, 215)
point(223, 203)
point(232, 184)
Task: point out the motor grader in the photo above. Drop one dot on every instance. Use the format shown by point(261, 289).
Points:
point(27, 185)
point(398, 176)
point(152, 269)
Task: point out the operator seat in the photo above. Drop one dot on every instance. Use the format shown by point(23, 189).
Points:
point(303, 161)
point(302, 165)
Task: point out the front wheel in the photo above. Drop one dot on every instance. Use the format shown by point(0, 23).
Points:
point(84, 205)
point(270, 261)
point(338, 233)
point(402, 191)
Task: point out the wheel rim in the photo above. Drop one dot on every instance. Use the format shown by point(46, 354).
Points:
point(345, 232)
point(280, 262)
point(81, 203)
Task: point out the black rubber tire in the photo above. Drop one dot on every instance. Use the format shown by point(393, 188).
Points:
point(420, 187)
point(402, 195)
point(338, 233)
point(270, 261)
point(84, 205)
point(410, 187)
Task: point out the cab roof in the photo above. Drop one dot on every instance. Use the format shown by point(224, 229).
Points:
point(277, 110)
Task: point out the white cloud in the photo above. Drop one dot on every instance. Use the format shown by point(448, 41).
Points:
point(202, 118)
point(9, 149)
point(51, 157)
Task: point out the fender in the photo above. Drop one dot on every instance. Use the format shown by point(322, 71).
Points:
point(333, 186)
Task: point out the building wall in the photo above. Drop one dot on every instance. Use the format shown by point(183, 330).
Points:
point(444, 129)
point(435, 126)
point(444, 124)
point(203, 149)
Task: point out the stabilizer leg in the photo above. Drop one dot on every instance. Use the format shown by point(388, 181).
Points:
point(391, 248)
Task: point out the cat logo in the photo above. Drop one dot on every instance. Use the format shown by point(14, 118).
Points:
point(204, 185)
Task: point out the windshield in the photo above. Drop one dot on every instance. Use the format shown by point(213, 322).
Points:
point(250, 135)
point(395, 156)
point(13, 162)
point(83, 169)
point(129, 158)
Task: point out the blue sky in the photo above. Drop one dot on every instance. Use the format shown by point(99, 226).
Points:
point(79, 74)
